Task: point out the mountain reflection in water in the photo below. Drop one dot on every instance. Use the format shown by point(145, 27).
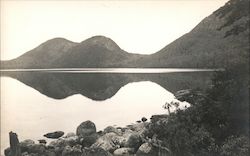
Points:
point(49, 114)
point(101, 86)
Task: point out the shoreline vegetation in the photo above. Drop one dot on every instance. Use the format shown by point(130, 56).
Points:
point(216, 123)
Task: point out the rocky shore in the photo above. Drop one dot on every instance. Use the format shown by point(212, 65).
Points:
point(86, 141)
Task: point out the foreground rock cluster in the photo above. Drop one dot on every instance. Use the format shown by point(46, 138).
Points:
point(130, 140)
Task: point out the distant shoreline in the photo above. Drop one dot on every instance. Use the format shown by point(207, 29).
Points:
point(115, 70)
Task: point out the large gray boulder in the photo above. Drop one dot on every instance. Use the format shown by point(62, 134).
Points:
point(85, 129)
point(109, 142)
point(60, 144)
point(146, 149)
point(86, 132)
point(132, 139)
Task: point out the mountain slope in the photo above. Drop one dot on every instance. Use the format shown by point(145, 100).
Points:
point(220, 40)
point(41, 56)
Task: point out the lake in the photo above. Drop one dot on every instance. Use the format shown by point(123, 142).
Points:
point(35, 102)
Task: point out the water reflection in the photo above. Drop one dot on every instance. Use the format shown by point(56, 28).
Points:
point(85, 96)
point(102, 86)
point(32, 114)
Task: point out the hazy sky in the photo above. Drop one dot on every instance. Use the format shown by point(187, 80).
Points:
point(136, 26)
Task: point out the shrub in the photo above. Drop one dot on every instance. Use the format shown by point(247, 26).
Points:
point(236, 146)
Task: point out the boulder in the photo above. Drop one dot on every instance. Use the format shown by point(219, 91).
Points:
point(71, 141)
point(60, 144)
point(14, 149)
point(112, 129)
point(27, 142)
point(42, 141)
point(37, 148)
point(87, 141)
point(143, 119)
point(109, 142)
point(85, 129)
point(87, 134)
point(146, 149)
point(54, 135)
point(57, 146)
point(24, 145)
point(72, 151)
point(124, 151)
point(133, 141)
point(71, 134)
point(138, 127)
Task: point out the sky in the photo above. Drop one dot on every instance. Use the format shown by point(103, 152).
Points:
point(138, 26)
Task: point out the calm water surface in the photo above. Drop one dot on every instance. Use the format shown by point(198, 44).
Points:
point(31, 114)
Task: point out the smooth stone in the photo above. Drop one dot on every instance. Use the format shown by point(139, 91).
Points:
point(85, 129)
point(54, 135)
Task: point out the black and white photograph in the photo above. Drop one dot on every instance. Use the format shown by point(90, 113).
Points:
point(124, 77)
